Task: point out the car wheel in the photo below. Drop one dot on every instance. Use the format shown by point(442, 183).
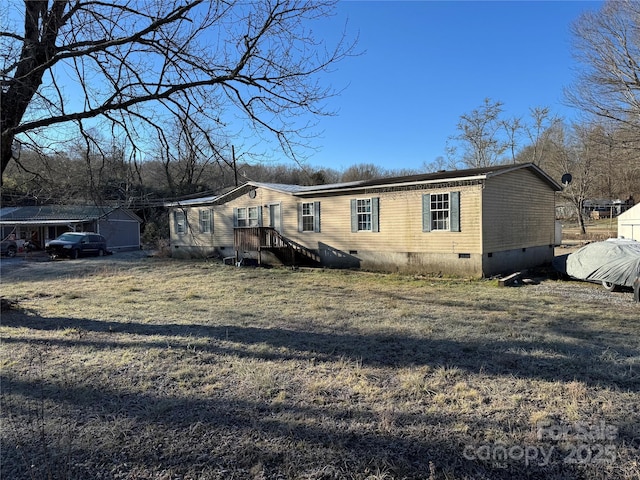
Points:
point(11, 252)
point(609, 286)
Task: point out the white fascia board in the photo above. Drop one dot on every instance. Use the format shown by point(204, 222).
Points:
point(387, 185)
point(44, 222)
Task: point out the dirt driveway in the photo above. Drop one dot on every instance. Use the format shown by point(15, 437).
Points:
point(39, 266)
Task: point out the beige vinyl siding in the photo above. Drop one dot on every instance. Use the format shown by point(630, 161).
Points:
point(177, 238)
point(400, 221)
point(263, 198)
point(192, 235)
point(518, 211)
point(400, 224)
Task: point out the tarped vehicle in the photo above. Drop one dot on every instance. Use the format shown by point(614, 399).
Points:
point(614, 263)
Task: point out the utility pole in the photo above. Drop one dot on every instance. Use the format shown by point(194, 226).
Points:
point(235, 169)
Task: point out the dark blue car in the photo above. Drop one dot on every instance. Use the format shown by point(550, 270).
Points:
point(77, 244)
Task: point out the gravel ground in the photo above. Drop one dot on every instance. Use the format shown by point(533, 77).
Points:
point(38, 265)
point(584, 291)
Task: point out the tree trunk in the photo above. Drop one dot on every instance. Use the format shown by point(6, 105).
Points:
point(5, 153)
point(40, 33)
point(583, 229)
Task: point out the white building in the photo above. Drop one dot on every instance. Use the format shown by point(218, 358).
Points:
point(629, 223)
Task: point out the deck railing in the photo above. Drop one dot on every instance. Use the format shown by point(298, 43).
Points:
point(256, 239)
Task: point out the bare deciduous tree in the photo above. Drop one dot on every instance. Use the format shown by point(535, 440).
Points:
point(537, 133)
point(616, 170)
point(126, 67)
point(575, 152)
point(607, 45)
point(189, 156)
point(513, 129)
point(480, 137)
point(362, 171)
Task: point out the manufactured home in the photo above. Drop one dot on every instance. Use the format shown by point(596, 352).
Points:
point(477, 222)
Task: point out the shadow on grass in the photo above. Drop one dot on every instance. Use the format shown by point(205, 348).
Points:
point(594, 362)
point(240, 438)
point(226, 436)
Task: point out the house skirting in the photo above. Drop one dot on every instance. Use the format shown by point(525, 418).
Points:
point(509, 261)
point(461, 263)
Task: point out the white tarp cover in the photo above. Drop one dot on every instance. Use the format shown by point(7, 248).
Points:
point(616, 261)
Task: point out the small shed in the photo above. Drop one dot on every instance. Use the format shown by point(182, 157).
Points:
point(39, 224)
point(629, 223)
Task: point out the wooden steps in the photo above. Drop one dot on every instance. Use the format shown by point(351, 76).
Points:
point(258, 239)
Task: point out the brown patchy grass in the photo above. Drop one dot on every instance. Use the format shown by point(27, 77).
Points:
point(191, 370)
point(596, 230)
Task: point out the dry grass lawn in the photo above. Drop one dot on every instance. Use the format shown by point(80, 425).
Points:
point(163, 369)
point(596, 230)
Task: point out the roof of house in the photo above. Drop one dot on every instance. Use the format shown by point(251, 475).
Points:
point(296, 189)
point(425, 178)
point(484, 172)
point(55, 214)
point(631, 213)
point(191, 201)
point(441, 176)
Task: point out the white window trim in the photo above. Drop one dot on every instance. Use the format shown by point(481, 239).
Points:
point(177, 223)
point(453, 212)
point(364, 212)
point(205, 220)
point(440, 217)
point(374, 215)
point(246, 211)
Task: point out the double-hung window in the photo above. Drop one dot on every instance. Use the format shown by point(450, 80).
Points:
point(441, 212)
point(309, 217)
point(363, 210)
point(252, 217)
point(364, 214)
point(241, 217)
point(206, 221)
point(247, 216)
point(179, 222)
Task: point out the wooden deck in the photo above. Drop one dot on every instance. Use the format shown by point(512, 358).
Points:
point(253, 239)
point(257, 239)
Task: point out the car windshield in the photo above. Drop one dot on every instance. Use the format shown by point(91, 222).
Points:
point(68, 237)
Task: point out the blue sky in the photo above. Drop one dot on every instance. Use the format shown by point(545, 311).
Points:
point(425, 63)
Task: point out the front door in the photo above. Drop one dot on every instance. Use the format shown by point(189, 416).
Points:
point(274, 217)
